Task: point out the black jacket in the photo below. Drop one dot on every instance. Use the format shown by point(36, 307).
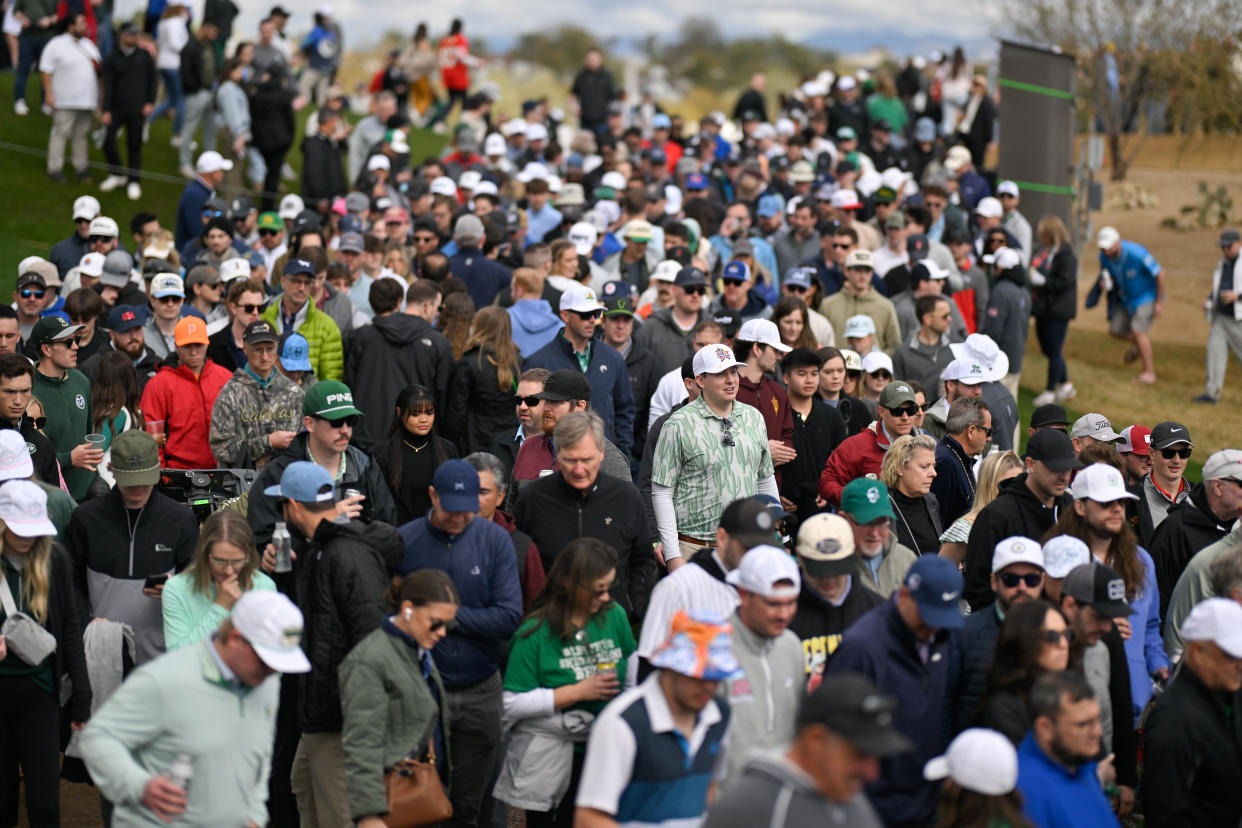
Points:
point(645, 377)
point(814, 439)
point(478, 409)
point(42, 455)
point(954, 484)
point(820, 626)
point(146, 368)
point(594, 89)
point(1057, 298)
point(381, 359)
point(1189, 526)
point(857, 412)
point(129, 81)
point(911, 515)
point(1015, 511)
point(1193, 756)
point(323, 171)
point(554, 513)
point(193, 77)
point(220, 349)
point(271, 114)
point(341, 582)
point(644, 470)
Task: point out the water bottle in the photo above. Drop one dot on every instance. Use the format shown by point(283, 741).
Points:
point(181, 772)
point(284, 548)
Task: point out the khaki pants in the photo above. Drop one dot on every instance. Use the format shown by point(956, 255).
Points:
point(1010, 381)
point(72, 125)
point(318, 781)
point(1225, 336)
point(689, 550)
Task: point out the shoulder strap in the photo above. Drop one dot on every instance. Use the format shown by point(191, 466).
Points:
point(6, 598)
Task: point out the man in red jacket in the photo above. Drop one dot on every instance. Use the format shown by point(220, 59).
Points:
point(863, 453)
point(182, 395)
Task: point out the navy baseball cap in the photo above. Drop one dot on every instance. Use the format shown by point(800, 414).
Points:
point(125, 318)
point(689, 276)
point(800, 277)
point(298, 267)
point(696, 181)
point(936, 587)
point(457, 485)
point(304, 482)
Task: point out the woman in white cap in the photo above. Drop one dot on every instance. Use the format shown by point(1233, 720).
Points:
point(980, 772)
point(225, 565)
point(392, 698)
point(37, 582)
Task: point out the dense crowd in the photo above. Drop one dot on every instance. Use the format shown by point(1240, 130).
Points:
point(633, 472)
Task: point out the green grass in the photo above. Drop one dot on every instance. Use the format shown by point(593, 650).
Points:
point(37, 210)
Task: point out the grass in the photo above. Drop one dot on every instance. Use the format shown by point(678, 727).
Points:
point(38, 210)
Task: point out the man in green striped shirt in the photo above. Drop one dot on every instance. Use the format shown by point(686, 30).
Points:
point(711, 452)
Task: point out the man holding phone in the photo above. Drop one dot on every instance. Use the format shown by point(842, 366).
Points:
point(125, 544)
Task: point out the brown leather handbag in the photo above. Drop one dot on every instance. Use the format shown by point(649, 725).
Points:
point(415, 794)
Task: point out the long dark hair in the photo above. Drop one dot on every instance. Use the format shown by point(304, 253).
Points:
point(789, 305)
point(581, 562)
point(412, 399)
point(1122, 549)
point(115, 387)
point(1015, 664)
point(422, 587)
point(960, 808)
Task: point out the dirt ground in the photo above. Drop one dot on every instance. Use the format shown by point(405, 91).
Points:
point(1105, 384)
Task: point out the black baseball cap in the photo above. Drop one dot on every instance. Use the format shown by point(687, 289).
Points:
point(852, 706)
point(916, 246)
point(565, 384)
point(1099, 587)
point(1049, 415)
point(1054, 449)
point(1168, 434)
point(750, 522)
point(690, 276)
point(260, 330)
point(729, 321)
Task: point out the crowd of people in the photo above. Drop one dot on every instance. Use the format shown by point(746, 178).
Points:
point(637, 472)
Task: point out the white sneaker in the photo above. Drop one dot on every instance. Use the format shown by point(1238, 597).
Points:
point(133, 191)
point(146, 132)
point(1044, 398)
point(46, 109)
point(1067, 391)
point(20, 107)
point(175, 140)
point(288, 173)
point(111, 183)
point(187, 171)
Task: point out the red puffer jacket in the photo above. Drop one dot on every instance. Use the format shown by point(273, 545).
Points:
point(184, 403)
point(859, 455)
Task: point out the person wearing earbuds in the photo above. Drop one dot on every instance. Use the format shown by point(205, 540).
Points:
point(392, 699)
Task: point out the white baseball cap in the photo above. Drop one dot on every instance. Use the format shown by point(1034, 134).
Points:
point(1007, 188)
point(1017, 550)
point(580, 299)
point(1218, 620)
point(846, 83)
point(763, 332)
point(613, 180)
point(989, 208)
point(513, 126)
point(272, 624)
point(762, 567)
point(1225, 464)
point(15, 463)
point(104, 226)
point(853, 361)
point(486, 188)
point(85, 207)
point(665, 271)
point(877, 361)
point(290, 206)
point(845, 200)
point(23, 508)
point(494, 144)
point(212, 161)
point(531, 171)
point(583, 236)
point(1004, 258)
point(979, 760)
point(379, 161)
point(91, 265)
point(1100, 482)
point(1063, 554)
point(858, 326)
point(469, 180)
point(443, 185)
point(1107, 237)
point(536, 132)
point(235, 268)
point(713, 359)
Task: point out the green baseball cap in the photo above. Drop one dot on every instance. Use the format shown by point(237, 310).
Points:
point(270, 221)
point(329, 400)
point(865, 500)
point(135, 459)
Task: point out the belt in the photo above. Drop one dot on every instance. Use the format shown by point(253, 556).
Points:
point(694, 541)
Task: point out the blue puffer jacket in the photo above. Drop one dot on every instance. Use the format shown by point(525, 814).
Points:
point(881, 647)
point(612, 398)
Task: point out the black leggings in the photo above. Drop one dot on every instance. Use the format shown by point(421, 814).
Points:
point(1052, 333)
point(275, 162)
point(133, 123)
point(29, 732)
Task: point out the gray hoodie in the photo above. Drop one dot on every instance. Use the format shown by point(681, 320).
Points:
point(773, 792)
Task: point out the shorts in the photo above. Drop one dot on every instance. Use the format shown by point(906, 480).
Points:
point(1123, 321)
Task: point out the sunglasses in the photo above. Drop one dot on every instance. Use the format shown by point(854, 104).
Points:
point(881, 374)
point(836, 246)
point(987, 432)
point(905, 411)
point(1054, 637)
point(438, 624)
point(796, 289)
point(75, 342)
point(734, 282)
point(1012, 579)
point(98, 239)
point(213, 213)
point(170, 299)
point(1170, 453)
point(33, 294)
point(589, 316)
point(270, 232)
point(343, 421)
point(700, 290)
point(726, 437)
point(39, 422)
point(529, 402)
point(250, 308)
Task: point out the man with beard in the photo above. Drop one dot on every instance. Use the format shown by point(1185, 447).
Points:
point(125, 328)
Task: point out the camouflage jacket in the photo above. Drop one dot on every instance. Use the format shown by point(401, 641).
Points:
point(245, 414)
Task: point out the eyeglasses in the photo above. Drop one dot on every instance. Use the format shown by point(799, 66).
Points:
point(589, 316)
point(438, 624)
point(1055, 637)
point(693, 290)
point(270, 232)
point(529, 402)
point(249, 308)
point(1012, 579)
point(726, 437)
point(905, 411)
point(338, 423)
point(733, 282)
point(33, 294)
point(227, 563)
point(1170, 453)
point(298, 282)
point(987, 432)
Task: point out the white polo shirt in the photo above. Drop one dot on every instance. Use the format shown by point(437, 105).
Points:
point(71, 63)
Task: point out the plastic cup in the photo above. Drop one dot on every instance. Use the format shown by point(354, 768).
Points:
point(154, 427)
point(96, 440)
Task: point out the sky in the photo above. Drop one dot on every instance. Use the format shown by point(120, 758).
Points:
point(940, 23)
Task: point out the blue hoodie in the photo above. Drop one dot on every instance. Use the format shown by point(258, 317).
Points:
point(534, 324)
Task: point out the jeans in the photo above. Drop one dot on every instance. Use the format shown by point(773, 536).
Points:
point(132, 123)
point(199, 110)
point(474, 742)
point(72, 125)
point(29, 50)
point(29, 726)
point(1051, 334)
point(172, 99)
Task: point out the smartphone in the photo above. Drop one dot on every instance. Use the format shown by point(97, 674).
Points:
point(155, 580)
